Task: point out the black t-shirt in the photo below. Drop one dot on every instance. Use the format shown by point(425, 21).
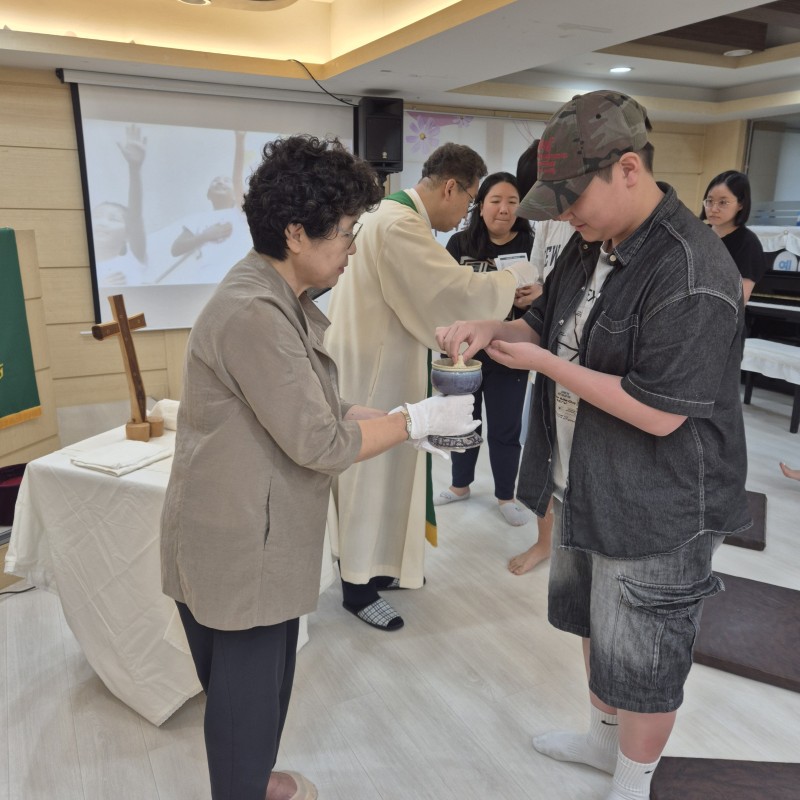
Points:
point(484, 262)
point(746, 251)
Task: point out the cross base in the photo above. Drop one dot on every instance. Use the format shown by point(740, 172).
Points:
point(144, 431)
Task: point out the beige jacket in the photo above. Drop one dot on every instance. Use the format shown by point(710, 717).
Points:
point(400, 285)
point(260, 435)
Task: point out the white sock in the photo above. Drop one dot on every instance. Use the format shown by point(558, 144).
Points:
point(631, 779)
point(597, 748)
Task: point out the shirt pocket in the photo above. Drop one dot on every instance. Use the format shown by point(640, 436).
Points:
point(611, 347)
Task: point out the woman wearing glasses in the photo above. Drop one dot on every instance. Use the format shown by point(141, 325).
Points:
point(493, 234)
point(261, 433)
point(726, 207)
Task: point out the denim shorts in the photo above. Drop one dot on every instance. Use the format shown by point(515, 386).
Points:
point(642, 616)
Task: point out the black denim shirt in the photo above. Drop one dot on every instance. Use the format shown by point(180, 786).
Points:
point(669, 322)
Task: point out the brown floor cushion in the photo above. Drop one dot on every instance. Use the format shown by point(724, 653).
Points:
point(752, 629)
point(754, 538)
point(720, 779)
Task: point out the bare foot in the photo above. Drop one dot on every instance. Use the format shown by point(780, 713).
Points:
point(789, 472)
point(526, 561)
point(289, 785)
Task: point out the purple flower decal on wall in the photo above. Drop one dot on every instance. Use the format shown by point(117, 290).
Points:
point(425, 128)
point(424, 133)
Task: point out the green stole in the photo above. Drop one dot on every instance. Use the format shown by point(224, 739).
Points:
point(430, 512)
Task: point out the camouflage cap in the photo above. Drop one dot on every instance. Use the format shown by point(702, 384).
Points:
point(588, 133)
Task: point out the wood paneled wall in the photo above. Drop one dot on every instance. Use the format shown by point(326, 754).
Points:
point(689, 156)
point(41, 191)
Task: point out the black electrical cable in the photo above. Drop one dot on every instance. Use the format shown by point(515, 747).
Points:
point(346, 102)
point(29, 589)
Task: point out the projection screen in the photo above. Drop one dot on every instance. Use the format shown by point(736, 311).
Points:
point(163, 176)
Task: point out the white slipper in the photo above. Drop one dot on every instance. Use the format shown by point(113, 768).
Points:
point(513, 514)
point(447, 496)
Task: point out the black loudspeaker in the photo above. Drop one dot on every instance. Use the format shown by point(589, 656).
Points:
point(378, 133)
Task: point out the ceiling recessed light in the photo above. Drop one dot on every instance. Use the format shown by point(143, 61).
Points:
point(734, 53)
point(620, 69)
point(196, 2)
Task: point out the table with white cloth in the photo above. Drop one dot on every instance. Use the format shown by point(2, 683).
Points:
point(775, 360)
point(93, 539)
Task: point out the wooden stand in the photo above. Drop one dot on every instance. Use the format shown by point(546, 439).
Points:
point(139, 427)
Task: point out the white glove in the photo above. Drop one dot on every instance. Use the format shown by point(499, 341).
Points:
point(524, 272)
point(442, 415)
point(424, 445)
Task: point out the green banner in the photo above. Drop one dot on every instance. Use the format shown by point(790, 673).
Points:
point(19, 397)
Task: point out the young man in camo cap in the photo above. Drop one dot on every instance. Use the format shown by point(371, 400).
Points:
point(636, 427)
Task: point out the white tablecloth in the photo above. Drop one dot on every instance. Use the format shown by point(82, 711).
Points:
point(774, 238)
point(773, 359)
point(93, 539)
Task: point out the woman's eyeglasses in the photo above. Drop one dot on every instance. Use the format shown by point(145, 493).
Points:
point(350, 235)
point(720, 204)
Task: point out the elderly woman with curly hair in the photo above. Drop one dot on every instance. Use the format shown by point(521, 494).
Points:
point(261, 432)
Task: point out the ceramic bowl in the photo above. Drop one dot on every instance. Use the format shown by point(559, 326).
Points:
point(464, 378)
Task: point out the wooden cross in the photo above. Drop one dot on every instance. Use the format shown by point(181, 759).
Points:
point(139, 427)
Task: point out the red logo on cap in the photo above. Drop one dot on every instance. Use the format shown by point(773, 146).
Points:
point(547, 160)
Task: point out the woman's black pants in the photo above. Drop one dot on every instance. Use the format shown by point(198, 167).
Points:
point(503, 394)
point(247, 677)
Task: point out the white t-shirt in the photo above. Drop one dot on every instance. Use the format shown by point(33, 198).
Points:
point(550, 237)
point(568, 345)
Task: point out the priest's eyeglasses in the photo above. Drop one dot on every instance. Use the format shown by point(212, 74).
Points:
point(467, 193)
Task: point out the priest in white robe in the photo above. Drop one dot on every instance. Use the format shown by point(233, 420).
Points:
point(400, 285)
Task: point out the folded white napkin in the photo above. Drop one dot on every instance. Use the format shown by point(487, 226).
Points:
point(168, 411)
point(123, 457)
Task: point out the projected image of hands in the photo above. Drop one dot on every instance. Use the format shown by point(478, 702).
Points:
point(120, 243)
point(164, 179)
point(205, 244)
point(154, 226)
